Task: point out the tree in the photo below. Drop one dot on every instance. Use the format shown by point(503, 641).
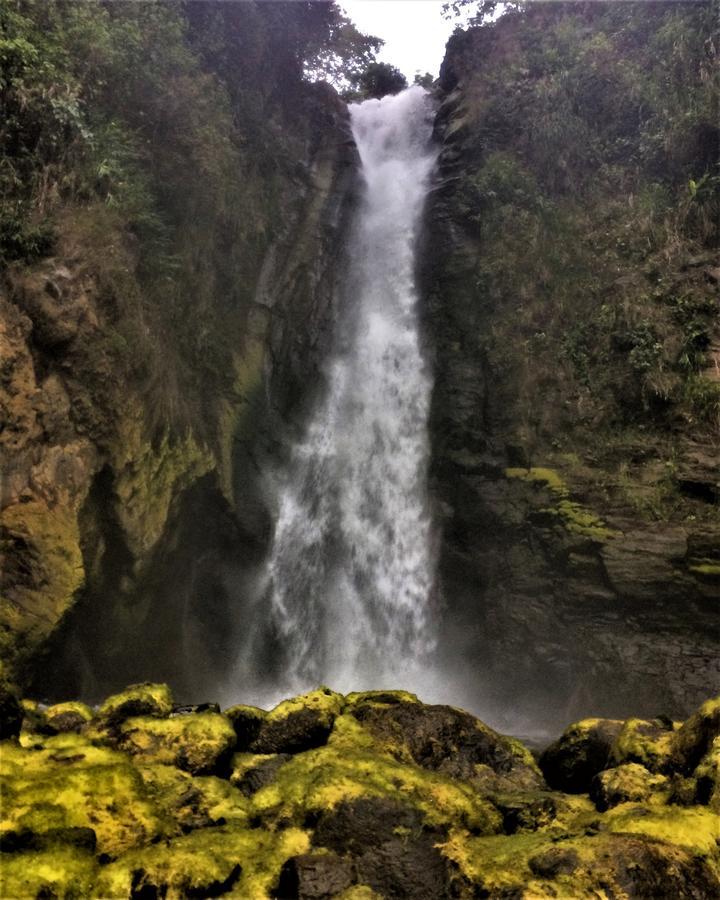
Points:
point(425, 80)
point(379, 79)
point(480, 10)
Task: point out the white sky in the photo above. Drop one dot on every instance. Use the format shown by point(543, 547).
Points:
point(414, 31)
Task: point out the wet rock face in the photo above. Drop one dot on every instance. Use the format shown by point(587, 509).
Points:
point(142, 806)
point(123, 431)
point(580, 548)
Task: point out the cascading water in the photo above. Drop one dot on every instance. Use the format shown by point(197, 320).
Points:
point(351, 567)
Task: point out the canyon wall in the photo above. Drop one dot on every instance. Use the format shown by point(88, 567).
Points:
point(150, 350)
point(570, 279)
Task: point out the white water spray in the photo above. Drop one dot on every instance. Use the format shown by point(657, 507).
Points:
point(351, 567)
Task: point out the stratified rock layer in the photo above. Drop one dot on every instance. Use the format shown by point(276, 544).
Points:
point(394, 799)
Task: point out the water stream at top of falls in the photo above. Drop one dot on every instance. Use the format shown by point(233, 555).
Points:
point(351, 567)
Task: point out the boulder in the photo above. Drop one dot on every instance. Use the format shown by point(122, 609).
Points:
point(252, 771)
point(246, 721)
point(313, 877)
point(629, 782)
point(448, 740)
point(298, 724)
point(144, 699)
point(645, 742)
point(707, 777)
point(200, 743)
point(581, 751)
point(11, 714)
point(693, 740)
point(67, 717)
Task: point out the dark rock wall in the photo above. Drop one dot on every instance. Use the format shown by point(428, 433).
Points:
point(578, 483)
point(132, 506)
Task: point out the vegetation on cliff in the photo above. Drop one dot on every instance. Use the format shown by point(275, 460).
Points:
point(169, 173)
point(571, 286)
point(369, 795)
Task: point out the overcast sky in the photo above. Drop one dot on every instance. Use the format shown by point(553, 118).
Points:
point(414, 31)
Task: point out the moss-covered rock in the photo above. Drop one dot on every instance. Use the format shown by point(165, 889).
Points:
point(252, 771)
point(643, 742)
point(448, 740)
point(583, 750)
point(395, 803)
point(60, 871)
point(224, 860)
point(12, 713)
point(66, 782)
point(352, 765)
point(695, 736)
point(246, 721)
point(298, 724)
point(621, 784)
point(200, 743)
point(145, 699)
point(707, 777)
point(70, 716)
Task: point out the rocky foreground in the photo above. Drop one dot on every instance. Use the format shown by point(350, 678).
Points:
point(363, 796)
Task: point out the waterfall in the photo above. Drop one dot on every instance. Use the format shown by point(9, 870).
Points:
point(351, 568)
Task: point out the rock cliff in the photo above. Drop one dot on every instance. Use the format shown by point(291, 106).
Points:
point(147, 357)
point(571, 305)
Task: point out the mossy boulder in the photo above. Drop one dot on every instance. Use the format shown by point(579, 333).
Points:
point(582, 750)
point(11, 713)
point(56, 871)
point(246, 721)
point(707, 777)
point(244, 863)
point(298, 724)
point(447, 740)
point(693, 740)
point(353, 765)
point(252, 771)
point(65, 782)
point(625, 783)
point(67, 717)
point(144, 699)
point(648, 743)
point(200, 743)
point(314, 875)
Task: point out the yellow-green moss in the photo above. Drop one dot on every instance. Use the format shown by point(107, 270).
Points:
point(695, 827)
point(382, 698)
point(79, 711)
point(359, 892)
point(197, 801)
point(31, 609)
point(153, 699)
point(352, 766)
point(149, 477)
point(629, 782)
point(69, 783)
point(696, 734)
point(248, 367)
point(59, 871)
point(208, 857)
point(194, 742)
point(708, 567)
point(651, 750)
point(326, 703)
point(574, 517)
point(242, 763)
